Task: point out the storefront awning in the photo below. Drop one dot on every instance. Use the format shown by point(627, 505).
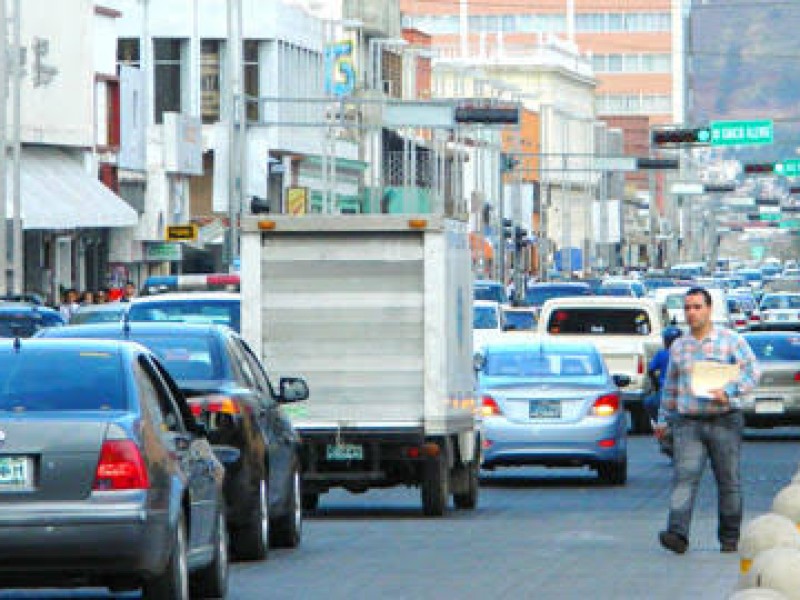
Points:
point(56, 192)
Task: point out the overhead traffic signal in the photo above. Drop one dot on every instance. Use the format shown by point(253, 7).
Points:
point(759, 168)
point(680, 137)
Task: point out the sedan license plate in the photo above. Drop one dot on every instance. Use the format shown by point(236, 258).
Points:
point(769, 406)
point(545, 409)
point(345, 452)
point(15, 472)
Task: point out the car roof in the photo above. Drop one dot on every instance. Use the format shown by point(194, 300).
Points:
point(487, 283)
point(560, 284)
point(136, 328)
point(183, 296)
point(18, 307)
point(543, 343)
point(606, 301)
point(118, 347)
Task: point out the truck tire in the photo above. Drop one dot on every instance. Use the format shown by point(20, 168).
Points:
point(434, 486)
point(469, 498)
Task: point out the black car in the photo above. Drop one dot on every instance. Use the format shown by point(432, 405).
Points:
point(105, 478)
point(24, 320)
point(228, 390)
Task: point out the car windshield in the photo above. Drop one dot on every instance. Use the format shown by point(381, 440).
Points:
point(493, 293)
point(779, 302)
point(220, 312)
point(38, 379)
point(187, 357)
point(485, 317)
point(775, 348)
point(517, 319)
point(83, 317)
point(533, 363)
point(599, 321)
point(537, 296)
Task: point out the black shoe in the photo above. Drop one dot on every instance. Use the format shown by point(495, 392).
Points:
point(673, 541)
point(728, 547)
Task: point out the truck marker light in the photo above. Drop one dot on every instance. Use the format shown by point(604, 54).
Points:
point(267, 225)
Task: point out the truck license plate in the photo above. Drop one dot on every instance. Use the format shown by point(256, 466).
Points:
point(769, 406)
point(345, 452)
point(545, 409)
point(15, 472)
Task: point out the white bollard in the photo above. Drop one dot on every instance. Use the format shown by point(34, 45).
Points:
point(757, 594)
point(762, 533)
point(787, 503)
point(776, 569)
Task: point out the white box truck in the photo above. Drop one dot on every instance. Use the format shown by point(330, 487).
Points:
point(376, 312)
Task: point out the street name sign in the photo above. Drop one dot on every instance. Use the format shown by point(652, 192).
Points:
point(741, 133)
point(789, 168)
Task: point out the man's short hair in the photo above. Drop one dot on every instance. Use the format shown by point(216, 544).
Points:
point(694, 291)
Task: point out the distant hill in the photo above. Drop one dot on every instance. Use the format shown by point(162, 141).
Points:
point(747, 66)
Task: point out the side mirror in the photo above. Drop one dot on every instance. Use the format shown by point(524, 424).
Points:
point(478, 361)
point(293, 389)
point(621, 380)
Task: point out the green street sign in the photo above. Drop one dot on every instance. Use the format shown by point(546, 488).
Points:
point(741, 133)
point(769, 217)
point(788, 168)
point(793, 224)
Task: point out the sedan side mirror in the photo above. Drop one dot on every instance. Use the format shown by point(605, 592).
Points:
point(621, 380)
point(293, 389)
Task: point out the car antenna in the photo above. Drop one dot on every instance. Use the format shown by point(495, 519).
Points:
point(126, 325)
point(17, 344)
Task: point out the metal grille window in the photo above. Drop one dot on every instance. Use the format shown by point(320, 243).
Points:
point(167, 77)
point(128, 52)
point(251, 84)
point(210, 79)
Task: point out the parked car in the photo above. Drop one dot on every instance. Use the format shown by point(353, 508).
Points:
point(221, 308)
point(229, 391)
point(24, 320)
point(780, 311)
point(106, 480)
point(490, 290)
point(110, 312)
point(776, 399)
point(551, 403)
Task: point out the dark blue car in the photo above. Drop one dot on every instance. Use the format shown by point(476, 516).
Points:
point(24, 320)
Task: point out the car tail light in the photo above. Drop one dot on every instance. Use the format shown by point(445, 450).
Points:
point(740, 322)
point(797, 376)
point(120, 467)
point(640, 365)
point(489, 407)
point(606, 405)
point(213, 404)
point(755, 317)
point(609, 443)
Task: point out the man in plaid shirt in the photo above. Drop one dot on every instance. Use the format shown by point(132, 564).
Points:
point(705, 427)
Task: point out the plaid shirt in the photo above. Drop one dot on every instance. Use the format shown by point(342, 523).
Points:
point(720, 345)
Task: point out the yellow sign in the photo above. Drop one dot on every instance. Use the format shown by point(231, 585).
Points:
point(181, 233)
point(297, 201)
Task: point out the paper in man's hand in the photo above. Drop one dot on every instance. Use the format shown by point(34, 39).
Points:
point(709, 375)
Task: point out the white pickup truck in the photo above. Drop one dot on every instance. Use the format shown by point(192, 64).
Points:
point(626, 331)
point(376, 312)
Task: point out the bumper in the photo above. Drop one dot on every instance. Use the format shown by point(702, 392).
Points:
point(569, 444)
point(56, 542)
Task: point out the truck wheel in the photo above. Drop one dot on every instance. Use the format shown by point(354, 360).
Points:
point(469, 498)
point(434, 486)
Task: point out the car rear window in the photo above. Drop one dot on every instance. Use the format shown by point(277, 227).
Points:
point(520, 320)
point(485, 317)
point(187, 358)
point(599, 321)
point(532, 363)
point(768, 348)
point(64, 379)
point(493, 293)
point(21, 325)
point(219, 312)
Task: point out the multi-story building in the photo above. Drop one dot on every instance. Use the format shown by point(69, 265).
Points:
point(69, 136)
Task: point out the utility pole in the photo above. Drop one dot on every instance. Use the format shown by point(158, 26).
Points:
point(235, 112)
point(3, 150)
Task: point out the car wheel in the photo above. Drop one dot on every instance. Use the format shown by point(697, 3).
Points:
point(613, 473)
point(212, 580)
point(310, 501)
point(469, 498)
point(251, 542)
point(433, 488)
point(287, 530)
point(173, 583)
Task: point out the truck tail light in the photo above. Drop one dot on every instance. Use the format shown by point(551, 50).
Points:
point(120, 467)
point(489, 407)
point(606, 405)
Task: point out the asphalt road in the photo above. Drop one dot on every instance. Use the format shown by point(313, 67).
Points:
point(536, 534)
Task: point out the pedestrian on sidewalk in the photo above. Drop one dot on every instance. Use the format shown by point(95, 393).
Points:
point(705, 427)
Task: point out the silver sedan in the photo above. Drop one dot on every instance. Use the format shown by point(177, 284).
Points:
point(551, 403)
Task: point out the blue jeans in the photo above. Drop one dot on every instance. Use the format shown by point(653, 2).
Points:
point(697, 440)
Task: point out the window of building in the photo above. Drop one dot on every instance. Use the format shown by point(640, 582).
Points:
point(210, 80)
point(251, 82)
point(128, 52)
point(167, 77)
point(614, 63)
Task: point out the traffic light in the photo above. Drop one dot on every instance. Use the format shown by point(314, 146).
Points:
point(678, 137)
point(759, 168)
